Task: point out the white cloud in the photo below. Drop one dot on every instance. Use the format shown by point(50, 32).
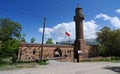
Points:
point(57, 33)
point(47, 31)
point(115, 21)
point(118, 11)
point(90, 28)
point(104, 16)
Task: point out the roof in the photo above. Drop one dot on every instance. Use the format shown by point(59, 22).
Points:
point(47, 45)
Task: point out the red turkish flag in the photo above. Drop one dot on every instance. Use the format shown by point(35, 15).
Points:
point(67, 34)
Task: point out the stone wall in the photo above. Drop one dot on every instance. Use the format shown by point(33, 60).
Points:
point(93, 51)
point(29, 52)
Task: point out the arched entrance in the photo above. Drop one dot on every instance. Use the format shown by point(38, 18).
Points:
point(57, 52)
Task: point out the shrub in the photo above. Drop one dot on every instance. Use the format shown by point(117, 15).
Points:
point(43, 62)
point(115, 58)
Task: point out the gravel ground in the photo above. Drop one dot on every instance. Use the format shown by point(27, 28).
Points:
point(56, 67)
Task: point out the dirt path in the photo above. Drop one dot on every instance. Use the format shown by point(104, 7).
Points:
point(70, 68)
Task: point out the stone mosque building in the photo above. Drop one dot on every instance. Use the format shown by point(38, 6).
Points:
point(76, 52)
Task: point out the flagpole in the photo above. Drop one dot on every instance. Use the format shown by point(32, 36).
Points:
point(69, 40)
point(68, 35)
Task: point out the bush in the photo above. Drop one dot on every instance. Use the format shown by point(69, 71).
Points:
point(43, 62)
point(115, 58)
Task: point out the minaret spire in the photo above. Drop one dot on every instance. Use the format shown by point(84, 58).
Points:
point(78, 18)
point(79, 44)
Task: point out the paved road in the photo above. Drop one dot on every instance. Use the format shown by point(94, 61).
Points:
point(70, 68)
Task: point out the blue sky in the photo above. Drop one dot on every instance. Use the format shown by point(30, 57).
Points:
point(59, 14)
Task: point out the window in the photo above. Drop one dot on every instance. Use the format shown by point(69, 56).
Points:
point(34, 51)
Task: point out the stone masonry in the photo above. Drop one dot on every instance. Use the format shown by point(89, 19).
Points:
point(31, 52)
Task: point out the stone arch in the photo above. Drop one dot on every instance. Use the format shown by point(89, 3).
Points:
point(57, 52)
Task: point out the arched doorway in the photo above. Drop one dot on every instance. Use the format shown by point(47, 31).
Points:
point(57, 52)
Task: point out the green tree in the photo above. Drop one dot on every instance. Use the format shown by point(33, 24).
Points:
point(22, 38)
point(9, 29)
point(109, 42)
point(116, 43)
point(10, 49)
point(49, 41)
point(32, 40)
point(9, 35)
point(103, 51)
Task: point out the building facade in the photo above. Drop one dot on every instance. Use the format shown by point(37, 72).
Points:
point(31, 52)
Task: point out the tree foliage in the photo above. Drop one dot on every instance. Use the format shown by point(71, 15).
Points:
point(32, 40)
point(10, 49)
point(22, 38)
point(49, 41)
point(109, 42)
point(9, 29)
point(9, 35)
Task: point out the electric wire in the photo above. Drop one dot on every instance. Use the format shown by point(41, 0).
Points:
point(27, 10)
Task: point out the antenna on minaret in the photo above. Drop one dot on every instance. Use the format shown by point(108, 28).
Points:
point(78, 3)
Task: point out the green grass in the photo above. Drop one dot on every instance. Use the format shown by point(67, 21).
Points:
point(44, 62)
point(16, 66)
point(103, 60)
point(9, 66)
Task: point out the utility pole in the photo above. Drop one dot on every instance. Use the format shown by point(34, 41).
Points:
point(42, 39)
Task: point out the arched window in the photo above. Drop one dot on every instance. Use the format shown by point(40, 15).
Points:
point(34, 51)
point(57, 52)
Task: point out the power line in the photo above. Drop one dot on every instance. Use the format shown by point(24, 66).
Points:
point(21, 6)
point(9, 10)
point(14, 11)
point(27, 9)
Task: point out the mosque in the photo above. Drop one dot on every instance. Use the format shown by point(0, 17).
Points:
point(76, 52)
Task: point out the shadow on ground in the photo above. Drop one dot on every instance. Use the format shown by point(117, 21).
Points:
point(113, 68)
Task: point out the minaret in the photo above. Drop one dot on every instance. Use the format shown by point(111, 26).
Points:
point(79, 44)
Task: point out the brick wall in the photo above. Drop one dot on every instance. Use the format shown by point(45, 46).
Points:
point(29, 52)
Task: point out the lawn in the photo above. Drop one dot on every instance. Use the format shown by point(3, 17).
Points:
point(12, 66)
